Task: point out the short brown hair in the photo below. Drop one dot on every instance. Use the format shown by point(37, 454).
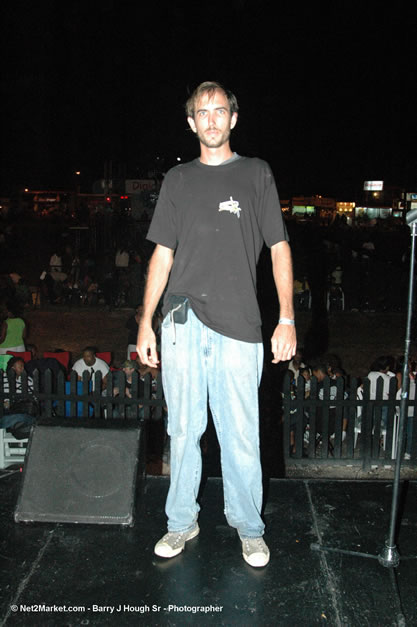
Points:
point(209, 87)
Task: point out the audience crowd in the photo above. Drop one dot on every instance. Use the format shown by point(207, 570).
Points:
point(114, 278)
point(18, 357)
point(385, 379)
point(353, 268)
point(20, 363)
point(362, 267)
point(116, 281)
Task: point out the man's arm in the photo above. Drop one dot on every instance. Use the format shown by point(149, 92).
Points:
point(284, 339)
point(104, 373)
point(158, 272)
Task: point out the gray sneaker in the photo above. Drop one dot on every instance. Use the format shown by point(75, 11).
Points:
point(172, 543)
point(255, 552)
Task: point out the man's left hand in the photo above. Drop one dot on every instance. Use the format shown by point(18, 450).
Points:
point(283, 342)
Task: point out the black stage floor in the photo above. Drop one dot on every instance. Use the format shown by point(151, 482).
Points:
point(112, 576)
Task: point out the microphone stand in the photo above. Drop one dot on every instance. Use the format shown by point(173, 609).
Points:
point(389, 556)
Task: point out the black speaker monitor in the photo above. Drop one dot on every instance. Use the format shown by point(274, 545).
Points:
point(80, 475)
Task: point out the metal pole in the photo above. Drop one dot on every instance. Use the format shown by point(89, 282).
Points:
point(389, 555)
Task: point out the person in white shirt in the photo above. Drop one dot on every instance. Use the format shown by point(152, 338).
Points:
point(296, 363)
point(380, 369)
point(90, 363)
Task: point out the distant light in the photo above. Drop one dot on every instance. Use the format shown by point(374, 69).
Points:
point(373, 186)
point(77, 173)
point(26, 189)
point(178, 158)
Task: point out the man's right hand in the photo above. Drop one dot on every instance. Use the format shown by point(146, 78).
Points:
point(158, 272)
point(146, 346)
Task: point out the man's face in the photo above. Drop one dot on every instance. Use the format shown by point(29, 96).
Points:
point(89, 358)
point(319, 374)
point(212, 121)
point(19, 367)
point(297, 359)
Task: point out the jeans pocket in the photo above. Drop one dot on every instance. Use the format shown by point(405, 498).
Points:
point(166, 321)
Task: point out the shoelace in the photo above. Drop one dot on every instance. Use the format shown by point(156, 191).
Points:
point(176, 537)
point(258, 542)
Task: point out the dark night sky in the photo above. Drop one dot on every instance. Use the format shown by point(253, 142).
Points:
point(327, 91)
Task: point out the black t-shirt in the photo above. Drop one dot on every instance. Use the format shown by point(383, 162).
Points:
point(216, 218)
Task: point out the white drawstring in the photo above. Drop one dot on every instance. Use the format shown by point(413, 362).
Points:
point(171, 313)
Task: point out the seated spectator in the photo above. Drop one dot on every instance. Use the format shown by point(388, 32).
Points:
point(338, 372)
point(92, 292)
point(320, 371)
point(89, 290)
point(55, 262)
point(12, 333)
point(125, 377)
point(335, 296)
point(296, 363)
point(396, 368)
point(380, 369)
point(337, 276)
point(333, 363)
point(306, 374)
point(20, 407)
point(55, 268)
point(128, 368)
point(90, 363)
point(17, 365)
point(71, 293)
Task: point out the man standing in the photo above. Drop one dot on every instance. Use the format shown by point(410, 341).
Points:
point(212, 217)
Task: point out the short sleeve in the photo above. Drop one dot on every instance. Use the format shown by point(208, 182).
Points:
point(77, 367)
point(270, 218)
point(163, 229)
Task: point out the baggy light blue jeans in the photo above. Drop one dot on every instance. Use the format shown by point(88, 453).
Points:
point(200, 364)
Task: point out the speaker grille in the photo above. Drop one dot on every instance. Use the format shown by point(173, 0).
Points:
point(85, 475)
